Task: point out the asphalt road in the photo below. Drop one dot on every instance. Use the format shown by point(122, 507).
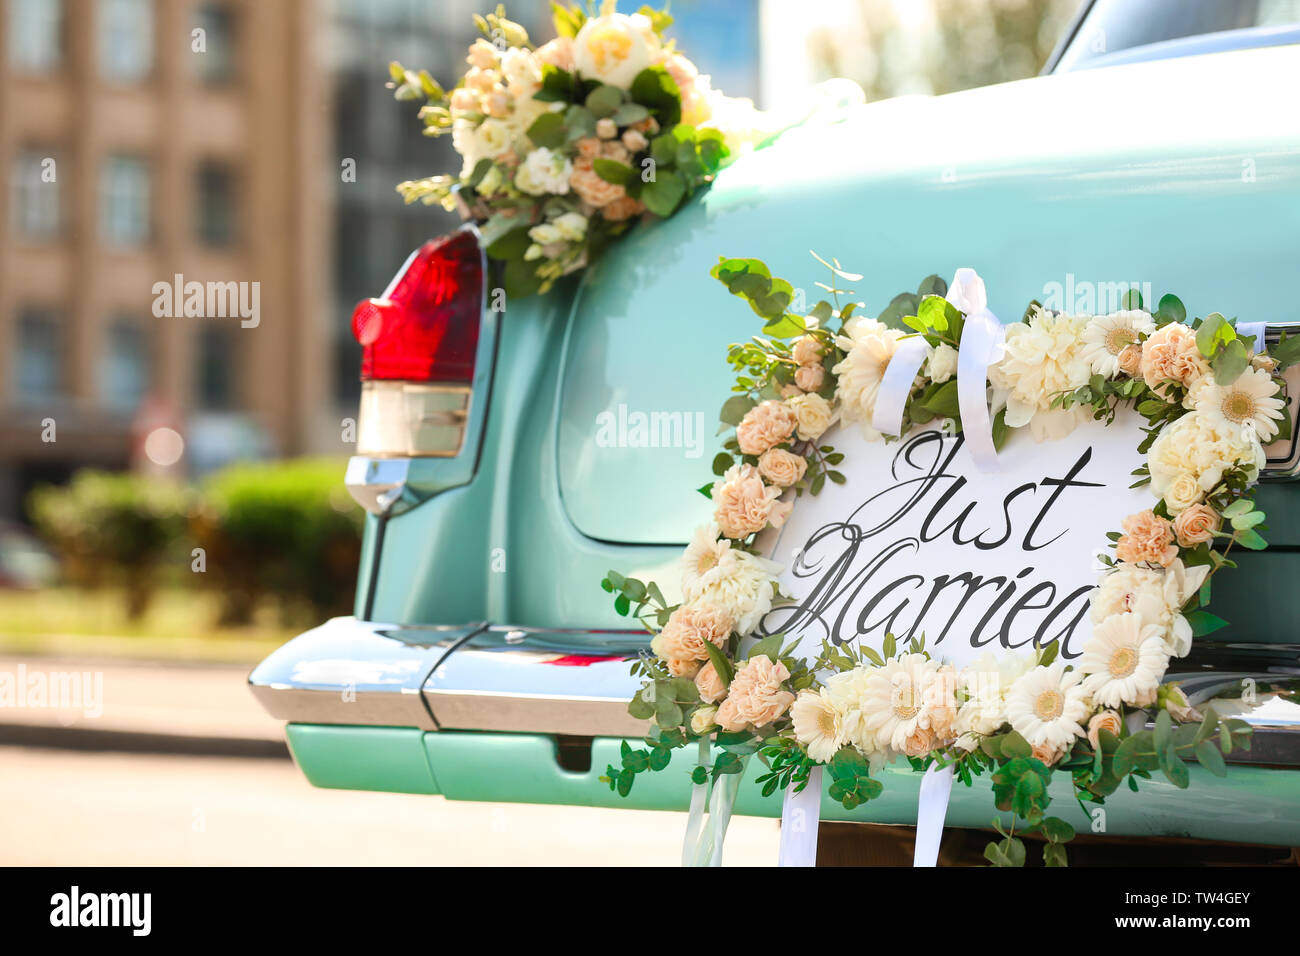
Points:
point(79, 808)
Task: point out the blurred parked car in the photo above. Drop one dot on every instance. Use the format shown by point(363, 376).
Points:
point(24, 561)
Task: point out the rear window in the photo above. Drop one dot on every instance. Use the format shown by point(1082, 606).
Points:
point(1112, 26)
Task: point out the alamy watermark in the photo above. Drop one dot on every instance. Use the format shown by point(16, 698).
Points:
point(1083, 297)
point(208, 300)
point(621, 428)
point(31, 688)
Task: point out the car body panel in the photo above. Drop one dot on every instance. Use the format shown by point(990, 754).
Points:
point(1181, 173)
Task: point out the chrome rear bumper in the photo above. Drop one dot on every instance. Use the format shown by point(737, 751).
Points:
point(476, 677)
point(575, 682)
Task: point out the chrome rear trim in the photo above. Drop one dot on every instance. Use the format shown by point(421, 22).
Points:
point(533, 680)
point(1269, 701)
point(355, 672)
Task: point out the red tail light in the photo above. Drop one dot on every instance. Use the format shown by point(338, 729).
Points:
point(425, 327)
point(420, 340)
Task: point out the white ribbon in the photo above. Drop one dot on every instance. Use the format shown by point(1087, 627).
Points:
point(800, 814)
point(699, 798)
point(896, 385)
point(981, 345)
point(931, 811)
point(1257, 329)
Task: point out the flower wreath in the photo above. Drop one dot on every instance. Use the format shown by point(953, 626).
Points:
point(1210, 395)
point(566, 145)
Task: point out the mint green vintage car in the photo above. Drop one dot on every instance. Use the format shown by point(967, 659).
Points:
point(500, 462)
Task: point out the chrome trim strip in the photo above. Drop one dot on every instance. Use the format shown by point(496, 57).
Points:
point(538, 680)
point(1282, 458)
point(355, 672)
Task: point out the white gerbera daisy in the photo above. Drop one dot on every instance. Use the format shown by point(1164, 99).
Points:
point(1250, 400)
point(707, 558)
point(869, 346)
point(1106, 336)
point(895, 702)
point(983, 686)
point(818, 724)
point(1046, 704)
point(1123, 661)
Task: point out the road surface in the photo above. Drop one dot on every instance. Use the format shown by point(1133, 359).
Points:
point(87, 808)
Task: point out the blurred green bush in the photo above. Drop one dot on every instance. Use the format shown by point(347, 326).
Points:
point(112, 528)
point(282, 530)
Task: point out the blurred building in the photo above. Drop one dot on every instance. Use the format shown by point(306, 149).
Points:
point(139, 140)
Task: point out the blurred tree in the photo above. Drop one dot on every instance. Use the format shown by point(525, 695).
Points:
point(896, 47)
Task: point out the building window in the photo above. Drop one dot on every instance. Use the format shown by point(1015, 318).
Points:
point(36, 35)
point(38, 367)
point(216, 196)
point(125, 37)
point(215, 374)
point(34, 194)
point(124, 201)
point(216, 61)
point(126, 370)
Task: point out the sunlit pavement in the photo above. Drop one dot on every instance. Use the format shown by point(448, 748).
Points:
point(74, 808)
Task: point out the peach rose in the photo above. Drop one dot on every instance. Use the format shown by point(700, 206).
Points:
point(588, 147)
point(625, 207)
point(755, 697)
point(941, 702)
point(481, 81)
point(1169, 355)
point(744, 505)
point(687, 630)
point(920, 743)
point(1196, 524)
point(558, 53)
point(464, 101)
point(680, 667)
point(482, 55)
point(1147, 537)
point(765, 426)
point(781, 468)
point(709, 684)
point(1049, 754)
point(1103, 720)
point(807, 351)
point(634, 141)
point(1130, 360)
point(810, 377)
point(606, 128)
point(589, 186)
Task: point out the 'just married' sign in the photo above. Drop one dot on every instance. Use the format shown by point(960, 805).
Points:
point(918, 541)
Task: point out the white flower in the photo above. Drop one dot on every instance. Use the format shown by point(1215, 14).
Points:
point(1106, 336)
point(572, 226)
point(846, 692)
point(818, 724)
point(966, 291)
point(1155, 595)
point(869, 347)
point(544, 172)
point(740, 582)
point(1250, 400)
point(522, 71)
point(1046, 704)
point(1124, 660)
point(984, 684)
point(1041, 359)
point(1205, 446)
point(704, 719)
point(943, 363)
point(492, 138)
point(702, 563)
point(896, 702)
point(611, 49)
point(544, 232)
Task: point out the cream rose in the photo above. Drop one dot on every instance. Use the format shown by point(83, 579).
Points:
point(943, 363)
point(813, 414)
point(765, 426)
point(744, 505)
point(704, 719)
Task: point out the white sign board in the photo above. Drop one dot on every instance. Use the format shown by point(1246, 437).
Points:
point(921, 542)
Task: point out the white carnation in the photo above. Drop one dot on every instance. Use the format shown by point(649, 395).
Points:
point(1041, 359)
point(544, 171)
point(1204, 446)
